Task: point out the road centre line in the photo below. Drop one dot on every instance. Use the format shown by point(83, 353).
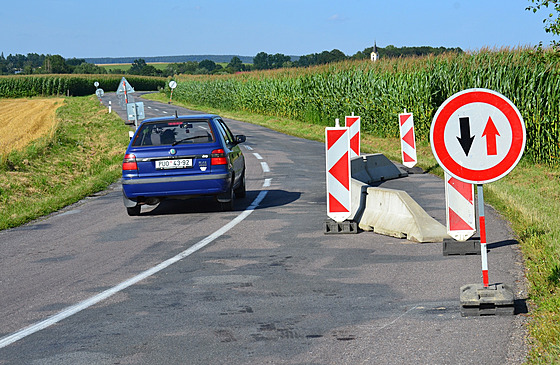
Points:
point(265, 167)
point(259, 157)
point(8, 340)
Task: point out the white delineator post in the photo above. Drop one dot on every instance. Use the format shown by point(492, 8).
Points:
point(338, 172)
point(408, 143)
point(460, 212)
point(353, 122)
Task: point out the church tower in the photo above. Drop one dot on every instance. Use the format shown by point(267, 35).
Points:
point(374, 54)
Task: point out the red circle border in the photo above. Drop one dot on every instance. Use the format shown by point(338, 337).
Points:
point(495, 172)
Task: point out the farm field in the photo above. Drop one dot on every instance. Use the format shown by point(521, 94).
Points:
point(25, 120)
point(158, 65)
point(75, 150)
point(126, 66)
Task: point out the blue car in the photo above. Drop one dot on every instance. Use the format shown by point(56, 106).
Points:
point(181, 157)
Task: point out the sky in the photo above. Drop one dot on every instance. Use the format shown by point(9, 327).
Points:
point(145, 28)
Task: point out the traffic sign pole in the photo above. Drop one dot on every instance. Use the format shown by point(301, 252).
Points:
point(482, 228)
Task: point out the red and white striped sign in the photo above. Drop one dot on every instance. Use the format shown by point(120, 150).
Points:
point(459, 201)
point(338, 173)
point(408, 144)
point(353, 122)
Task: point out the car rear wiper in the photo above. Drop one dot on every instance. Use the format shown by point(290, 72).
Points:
point(186, 139)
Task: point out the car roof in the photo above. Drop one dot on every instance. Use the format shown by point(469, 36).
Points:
point(181, 117)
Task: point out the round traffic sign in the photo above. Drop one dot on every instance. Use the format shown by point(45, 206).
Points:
point(478, 136)
point(172, 84)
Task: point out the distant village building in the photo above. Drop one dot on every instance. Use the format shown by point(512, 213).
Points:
point(374, 54)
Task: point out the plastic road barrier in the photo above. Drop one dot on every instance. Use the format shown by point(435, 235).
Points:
point(460, 212)
point(338, 173)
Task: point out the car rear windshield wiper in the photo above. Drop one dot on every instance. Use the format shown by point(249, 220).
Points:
point(186, 139)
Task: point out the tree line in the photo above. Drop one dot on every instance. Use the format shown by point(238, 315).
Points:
point(55, 64)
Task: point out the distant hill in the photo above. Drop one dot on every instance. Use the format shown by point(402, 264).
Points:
point(170, 59)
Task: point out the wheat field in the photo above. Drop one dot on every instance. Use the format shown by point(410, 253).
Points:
point(25, 120)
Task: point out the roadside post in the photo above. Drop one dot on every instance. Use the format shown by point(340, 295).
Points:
point(353, 122)
point(172, 86)
point(99, 93)
point(408, 143)
point(478, 136)
point(339, 197)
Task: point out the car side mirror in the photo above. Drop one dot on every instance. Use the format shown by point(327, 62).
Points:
point(240, 138)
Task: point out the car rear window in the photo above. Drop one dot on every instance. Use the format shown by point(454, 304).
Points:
point(180, 132)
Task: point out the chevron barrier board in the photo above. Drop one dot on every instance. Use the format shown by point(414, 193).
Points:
point(338, 173)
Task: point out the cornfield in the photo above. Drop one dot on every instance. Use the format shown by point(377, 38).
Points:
point(72, 85)
point(379, 91)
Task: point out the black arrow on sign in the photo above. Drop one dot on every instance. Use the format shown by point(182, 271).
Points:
point(465, 139)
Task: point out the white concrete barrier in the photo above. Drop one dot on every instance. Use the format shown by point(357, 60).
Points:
point(388, 211)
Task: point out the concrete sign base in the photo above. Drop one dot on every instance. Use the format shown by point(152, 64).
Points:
point(477, 300)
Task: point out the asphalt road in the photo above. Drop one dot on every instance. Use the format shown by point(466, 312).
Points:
point(271, 289)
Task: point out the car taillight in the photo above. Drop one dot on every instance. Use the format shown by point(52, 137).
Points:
point(129, 162)
point(218, 157)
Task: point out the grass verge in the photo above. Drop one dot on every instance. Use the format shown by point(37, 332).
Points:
point(82, 156)
point(529, 197)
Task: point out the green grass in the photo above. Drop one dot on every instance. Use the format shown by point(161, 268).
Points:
point(529, 197)
point(82, 157)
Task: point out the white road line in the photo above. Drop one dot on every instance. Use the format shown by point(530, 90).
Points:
point(249, 148)
point(5, 341)
point(164, 112)
point(259, 157)
point(267, 183)
point(265, 167)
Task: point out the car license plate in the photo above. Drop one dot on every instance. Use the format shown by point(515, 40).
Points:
point(182, 163)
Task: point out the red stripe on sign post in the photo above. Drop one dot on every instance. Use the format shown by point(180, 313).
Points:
point(408, 145)
point(482, 227)
point(338, 173)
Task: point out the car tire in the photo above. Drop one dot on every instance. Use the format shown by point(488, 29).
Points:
point(241, 190)
point(228, 206)
point(133, 211)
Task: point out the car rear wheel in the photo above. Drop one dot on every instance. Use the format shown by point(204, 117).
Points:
point(226, 206)
point(241, 190)
point(135, 210)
